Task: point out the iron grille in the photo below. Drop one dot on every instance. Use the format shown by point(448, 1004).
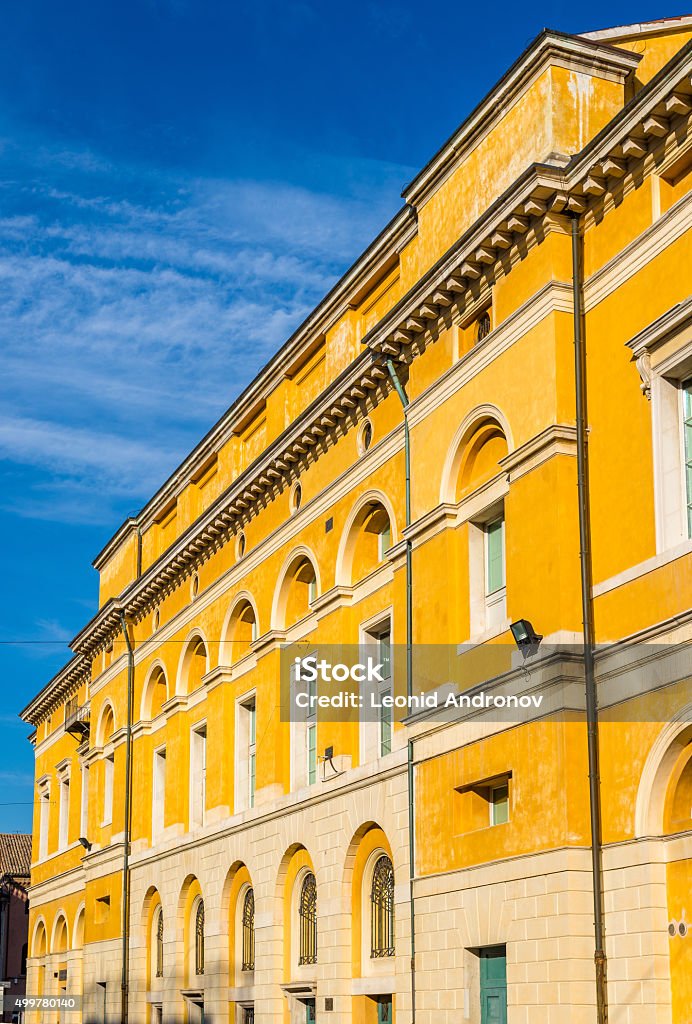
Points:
point(159, 945)
point(249, 931)
point(308, 921)
point(382, 909)
point(199, 938)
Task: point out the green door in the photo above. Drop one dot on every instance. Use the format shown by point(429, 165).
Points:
point(494, 985)
point(384, 1010)
point(310, 1011)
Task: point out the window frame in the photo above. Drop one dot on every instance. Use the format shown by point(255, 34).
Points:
point(303, 733)
point(44, 818)
point(84, 801)
point(108, 788)
point(64, 809)
point(198, 926)
point(157, 933)
point(487, 608)
point(247, 930)
point(376, 738)
point(307, 919)
point(198, 775)
point(686, 461)
point(663, 355)
point(494, 804)
point(158, 793)
point(382, 918)
point(245, 751)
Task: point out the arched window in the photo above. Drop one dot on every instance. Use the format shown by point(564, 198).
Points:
point(307, 914)
point(199, 938)
point(159, 943)
point(382, 909)
point(248, 962)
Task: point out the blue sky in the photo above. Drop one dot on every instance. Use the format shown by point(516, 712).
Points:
point(180, 183)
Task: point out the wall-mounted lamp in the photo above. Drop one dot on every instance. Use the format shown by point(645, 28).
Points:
point(525, 637)
point(85, 843)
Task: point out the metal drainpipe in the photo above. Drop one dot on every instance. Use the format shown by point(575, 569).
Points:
point(125, 975)
point(588, 625)
point(403, 397)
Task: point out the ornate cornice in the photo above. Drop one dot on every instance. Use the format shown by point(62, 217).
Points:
point(533, 206)
point(62, 686)
point(548, 48)
point(373, 262)
point(342, 405)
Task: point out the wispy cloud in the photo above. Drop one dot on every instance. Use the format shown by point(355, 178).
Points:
point(135, 306)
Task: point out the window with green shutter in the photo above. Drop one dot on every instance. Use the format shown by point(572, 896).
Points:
point(499, 805)
point(312, 734)
point(687, 429)
point(252, 751)
point(495, 556)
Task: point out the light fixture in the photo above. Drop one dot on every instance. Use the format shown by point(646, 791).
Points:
point(525, 637)
point(85, 843)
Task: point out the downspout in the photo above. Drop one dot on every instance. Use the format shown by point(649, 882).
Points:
point(588, 626)
point(403, 398)
point(125, 973)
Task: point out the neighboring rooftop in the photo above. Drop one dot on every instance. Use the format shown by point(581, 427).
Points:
point(15, 854)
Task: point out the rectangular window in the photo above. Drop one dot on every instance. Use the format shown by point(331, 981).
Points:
point(84, 803)
point(158, 796)
point(252, 752)
point(687, 444)
point(481, 804)
point(311, 738)
point(245, 753)
point(376, 735)
point(64, 819)
point(494, 557)
point(499, 804)
point(384, 656)
point(44, 823)
point(671, 422)
point(198, 775)
point(384, 541)
point(108, 772)
point(303, 727)
point(494, 572)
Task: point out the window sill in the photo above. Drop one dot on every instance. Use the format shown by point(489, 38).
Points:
point(377, 985)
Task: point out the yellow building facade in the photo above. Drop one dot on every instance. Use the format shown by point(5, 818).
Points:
point(199, 857)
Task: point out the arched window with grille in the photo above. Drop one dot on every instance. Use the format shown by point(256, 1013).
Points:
point(248, 961)
point(307, 915)
point(199, 938)
point(382, 909)
point(159, 943)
